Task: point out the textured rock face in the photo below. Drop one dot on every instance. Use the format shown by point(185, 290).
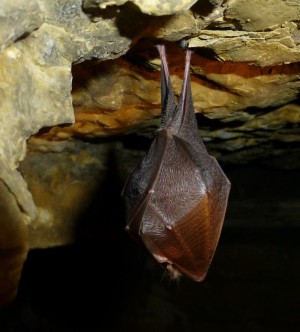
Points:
point(93, 63)
point(120, 97)
point(154, 7)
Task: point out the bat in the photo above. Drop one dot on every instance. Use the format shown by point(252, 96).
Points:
point(176, 197)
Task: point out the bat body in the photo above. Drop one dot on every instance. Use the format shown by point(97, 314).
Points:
point(176, 197)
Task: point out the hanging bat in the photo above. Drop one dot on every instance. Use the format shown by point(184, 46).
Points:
point(176, 197)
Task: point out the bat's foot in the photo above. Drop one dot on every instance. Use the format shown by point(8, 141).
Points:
point(173, 272)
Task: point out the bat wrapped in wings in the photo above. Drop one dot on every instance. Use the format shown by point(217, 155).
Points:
point(176, 197)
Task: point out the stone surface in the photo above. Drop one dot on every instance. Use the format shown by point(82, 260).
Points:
point(18, 18)
point(154, 7)
point(94, 62)
point(244, 101)
point(13, 243)
point(63, 180)
point(264, 48)
point(262, 16)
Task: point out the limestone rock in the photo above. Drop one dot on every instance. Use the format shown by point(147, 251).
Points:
point(18, 18)
point(63, 180)
point(260, 48)
point(273, 138)
point(14, 243)
point(262, 15)
point(123, 96)
point(154, 7)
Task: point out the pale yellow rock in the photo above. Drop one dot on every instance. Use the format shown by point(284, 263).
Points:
point(150, 7)
point(31, 97)
point(259, 48)
point(63, 183)
point(14, 244)
point(124, 97)
point(257, 15)
point(18, 18)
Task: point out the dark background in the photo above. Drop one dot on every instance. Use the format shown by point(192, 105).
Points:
point(106, 282)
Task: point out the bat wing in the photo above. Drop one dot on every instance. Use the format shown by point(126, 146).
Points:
point(139, 185)
point(217, 188)
point(174, 218)
point(177, 196)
